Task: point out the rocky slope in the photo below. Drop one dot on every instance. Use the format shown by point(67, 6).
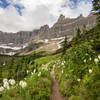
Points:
point(64, 26)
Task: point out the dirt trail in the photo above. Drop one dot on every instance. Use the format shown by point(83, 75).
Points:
point(56, 94)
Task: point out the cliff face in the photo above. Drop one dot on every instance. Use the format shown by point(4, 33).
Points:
point(16, 38)
point(64, 26)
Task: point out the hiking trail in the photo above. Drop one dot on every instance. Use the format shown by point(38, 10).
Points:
point(56, 94)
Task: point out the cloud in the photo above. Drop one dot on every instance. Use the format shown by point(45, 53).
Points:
point(39, 12)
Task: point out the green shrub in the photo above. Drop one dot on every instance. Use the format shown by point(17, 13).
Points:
point(76, 98)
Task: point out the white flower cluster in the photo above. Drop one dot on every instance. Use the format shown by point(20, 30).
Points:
point(34, 70)
point(78, 80)
point(23, 84)
point(85, 61)
point(86, 54)
point(62, 63)
point(90, 59)
point(12, 81)
point(96, 60)
point(62, 71)
point(45, 67)
point(5, 83)
point(90, 70)
point(39, 74)
point(32, 73)
point(27, 71)
point(99, 57)
point(1, 88)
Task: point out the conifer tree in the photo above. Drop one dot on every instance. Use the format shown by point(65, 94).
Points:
point(96, 8)
point(78, 35)
point(64, 46)
point(84, 29)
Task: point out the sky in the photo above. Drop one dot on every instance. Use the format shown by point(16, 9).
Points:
point(27, 15)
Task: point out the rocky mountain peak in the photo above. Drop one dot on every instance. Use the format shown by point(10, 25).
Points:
point(45, 27)
point(64, 26)
point(61, 18)
point(80, 16)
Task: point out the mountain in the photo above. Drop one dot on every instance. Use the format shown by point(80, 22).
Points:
point(67, 26)
point(64, 26)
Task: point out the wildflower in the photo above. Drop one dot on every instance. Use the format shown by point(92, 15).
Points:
point(99, 56)
point(27, 71)
point(12, 81)
point(6, 85)
point(39, 74)
point(90, 59)
point(4, 64)
point(32, 73)
point(62, 64)
point(5, 80)
point(1, 88)
point(85, 61)
point(34, 70)
point(22, 84)
point(96, 60)
point(62, 71)
point(86, 54)
point(90, 70)
point(78, 80)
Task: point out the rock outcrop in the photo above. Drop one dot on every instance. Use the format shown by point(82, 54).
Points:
point(64, 26)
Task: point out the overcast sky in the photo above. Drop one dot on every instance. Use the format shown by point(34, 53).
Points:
point(16, 15)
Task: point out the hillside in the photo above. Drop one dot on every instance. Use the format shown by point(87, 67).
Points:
point(57, 61)
point(75, 75)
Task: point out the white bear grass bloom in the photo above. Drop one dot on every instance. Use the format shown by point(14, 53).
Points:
point(5, 80)
point(90, 59)
point(39, 74)
point(85, 61)
point(90, 70)
point(12, 81)
point(78, 80)
point(86, 54)
point(6, 85)
point(32, 73)
point(27, 71)
point(96, 60)
point(62, 71)
point(1, 88)
point(62, 63)
point(34, 70)
point(99, 56)
point(22, 84)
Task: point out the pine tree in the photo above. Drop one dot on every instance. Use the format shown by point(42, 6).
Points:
point(84, 31)
point(96, 8)
point(64, 46)
point(78, 35)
